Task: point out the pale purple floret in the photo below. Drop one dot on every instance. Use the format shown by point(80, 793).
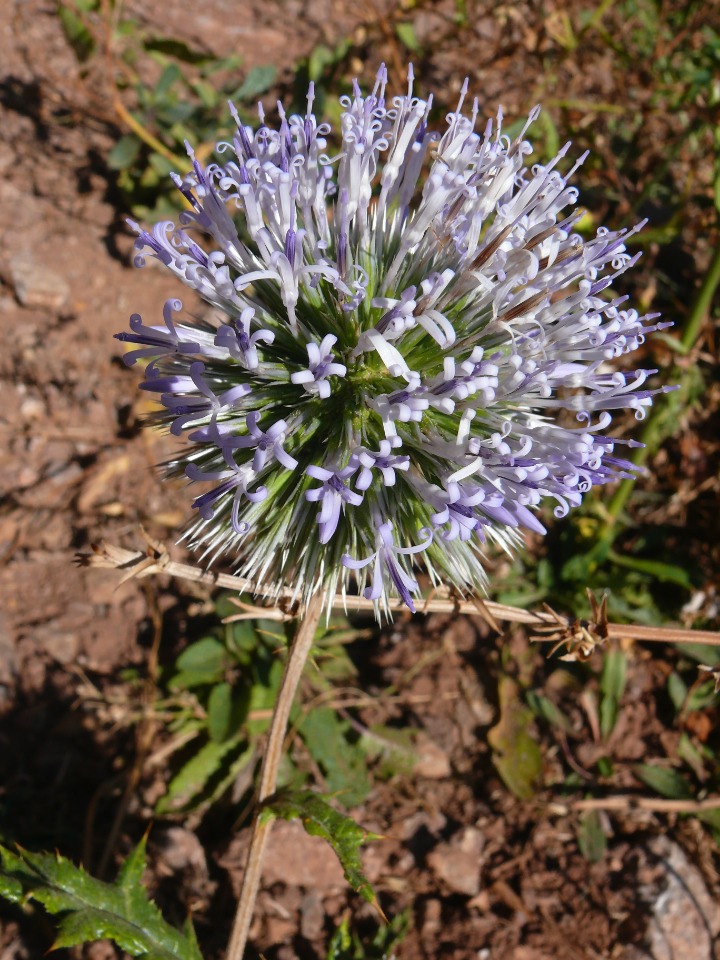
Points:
point(267, 444)
point(465, 509)
point(384, 561)
point(384, 461)
point(333, 495)
point(155, 341)
point(320, 366)
point(234, 480)
point(191, 409)
point(239, 342)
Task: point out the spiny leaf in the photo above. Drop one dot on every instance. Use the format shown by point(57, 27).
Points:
point(130, 874)
point(321, 820)
point(92, 910)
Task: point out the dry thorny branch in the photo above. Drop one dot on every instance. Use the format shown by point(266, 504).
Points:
point(579, 637)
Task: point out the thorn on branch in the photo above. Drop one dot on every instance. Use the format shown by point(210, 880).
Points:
point(580, 637)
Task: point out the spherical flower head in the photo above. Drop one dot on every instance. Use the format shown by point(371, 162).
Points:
point(415, 349)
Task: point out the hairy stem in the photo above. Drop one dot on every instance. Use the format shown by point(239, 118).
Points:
point(297, 655)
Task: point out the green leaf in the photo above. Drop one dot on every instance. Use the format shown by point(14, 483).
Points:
point(347, 945)
point(161, 165)
point(242, 638)
point(342, 762)
point(663, 780)
point(320, 58)
point(258, 81)
point(591, 837)
point(220, 712)
point(169, 113)
point(677, 690)
point(516, 754)
point(712, 819)
point(76, 33)
point(222, 783)
point(10, 887)
point(548, 711)
point(407, 36)
point(665, 572)
point(176, 48)
point(605, 766)
point(125, 152)
point(612, 687)
point(202, 662)
point(263, 695)
point(170, 76)
point(701, 697)
point(206, 92)
point(91, 910)
point(700, 652)
point(694, 758)
point(391, 747)
point(321, 820)
point(233, 62)
point(192, 779)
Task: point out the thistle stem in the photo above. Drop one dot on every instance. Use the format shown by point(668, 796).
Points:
point(297, 656)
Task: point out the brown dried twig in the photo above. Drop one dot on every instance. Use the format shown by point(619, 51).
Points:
point(578, 635)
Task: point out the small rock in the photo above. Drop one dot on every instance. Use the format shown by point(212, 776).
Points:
point(7, 157)
point(36, 285)
point(529, 953)
point(62, 646)
point(632, 952)
point(432, 763)
point(431, 923)
point(685, 917)
point(180, 849)
point(429, 823)
point(33, 408)
point(312, 916)
point(294, 857)
point(458, 862)
point(102, 950)
point(8, 656)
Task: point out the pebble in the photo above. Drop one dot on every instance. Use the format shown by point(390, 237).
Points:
point(312, 916)
point(180, 849)
point(36, 285)
point(457, 863)
point(685, 918)
point(294, 857)
point(433, 762)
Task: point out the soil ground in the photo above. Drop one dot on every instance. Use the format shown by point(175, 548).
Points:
point(481, 873)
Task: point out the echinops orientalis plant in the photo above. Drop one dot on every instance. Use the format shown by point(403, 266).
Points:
point(410, 348)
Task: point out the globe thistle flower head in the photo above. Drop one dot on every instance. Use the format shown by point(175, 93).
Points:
point(410, 349)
